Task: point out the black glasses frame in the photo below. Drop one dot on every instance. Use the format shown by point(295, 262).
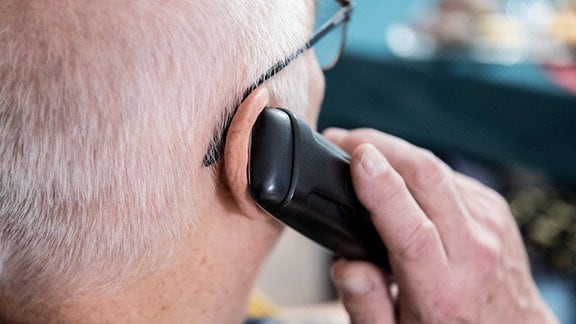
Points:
point(342, 16)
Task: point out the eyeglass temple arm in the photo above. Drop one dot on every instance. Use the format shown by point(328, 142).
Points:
point(343, 15)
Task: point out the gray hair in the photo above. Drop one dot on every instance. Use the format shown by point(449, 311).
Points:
point(105, 110)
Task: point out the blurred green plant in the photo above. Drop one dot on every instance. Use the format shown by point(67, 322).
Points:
point(546, 216)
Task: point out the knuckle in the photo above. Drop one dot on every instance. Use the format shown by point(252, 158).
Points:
point(417, 241)
point(497, 199)
point(428, 170)
point(487, 251)
point(500, 223)
point(498, 213)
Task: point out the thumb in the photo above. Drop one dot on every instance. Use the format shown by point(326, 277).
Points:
point(364, 292)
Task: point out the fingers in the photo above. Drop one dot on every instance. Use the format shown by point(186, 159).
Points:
point(364, 292)
point(455, 250)
point(406, 231)
point(429, 180)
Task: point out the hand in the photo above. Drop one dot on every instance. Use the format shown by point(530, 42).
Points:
point(455, 250)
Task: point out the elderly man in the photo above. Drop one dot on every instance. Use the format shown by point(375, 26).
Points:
point(119, 201)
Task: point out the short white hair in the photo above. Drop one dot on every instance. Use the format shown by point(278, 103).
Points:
point(102, 108)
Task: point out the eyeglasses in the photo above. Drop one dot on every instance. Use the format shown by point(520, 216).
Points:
point(328, 40)
point(330, 31)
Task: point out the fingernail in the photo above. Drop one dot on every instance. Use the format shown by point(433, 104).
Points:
point(355, 285)
point(372, 161)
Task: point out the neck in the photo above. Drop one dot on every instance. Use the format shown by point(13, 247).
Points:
point(209, 280)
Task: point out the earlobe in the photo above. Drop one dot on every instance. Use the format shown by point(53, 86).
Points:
point(236, 150)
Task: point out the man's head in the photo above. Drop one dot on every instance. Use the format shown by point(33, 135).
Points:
point(106, 111)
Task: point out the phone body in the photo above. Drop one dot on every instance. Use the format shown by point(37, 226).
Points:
point(302, 179)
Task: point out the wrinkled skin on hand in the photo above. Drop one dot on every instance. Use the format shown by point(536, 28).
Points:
point(454, 247)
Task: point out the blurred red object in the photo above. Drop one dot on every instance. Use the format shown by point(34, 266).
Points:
point(563, 75)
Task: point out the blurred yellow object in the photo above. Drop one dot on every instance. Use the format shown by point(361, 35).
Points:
point(564, 26)
point(501, 30)
point(260, 306)
point(500, 39)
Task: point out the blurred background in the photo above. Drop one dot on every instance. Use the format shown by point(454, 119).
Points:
point(490, 87)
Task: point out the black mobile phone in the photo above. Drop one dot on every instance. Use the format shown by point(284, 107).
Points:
point(299, 177)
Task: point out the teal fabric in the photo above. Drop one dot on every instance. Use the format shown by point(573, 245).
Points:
point(460, 108)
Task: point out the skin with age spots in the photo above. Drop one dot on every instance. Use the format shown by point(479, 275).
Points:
point(109, 216)
point(106, 111)
point(454, 247)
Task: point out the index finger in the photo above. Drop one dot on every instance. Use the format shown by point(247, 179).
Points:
point(414, 245)
point(429, 180)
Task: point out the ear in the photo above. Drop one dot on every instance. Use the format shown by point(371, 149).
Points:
point(236, 151)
